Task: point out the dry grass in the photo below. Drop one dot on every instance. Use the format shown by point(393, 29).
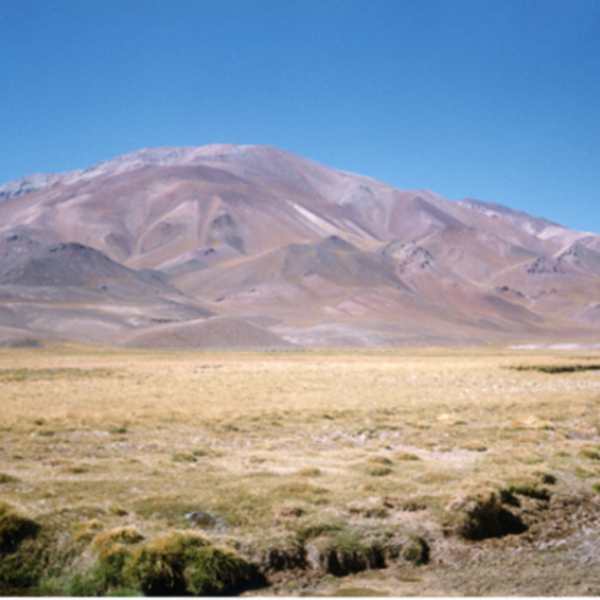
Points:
point(269, 443)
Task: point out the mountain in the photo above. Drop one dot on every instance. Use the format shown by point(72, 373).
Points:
point(277, 249)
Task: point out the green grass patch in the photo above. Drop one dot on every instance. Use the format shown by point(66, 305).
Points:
point(184, 457)
point(376, 470)
point(171, 510)
point(20, 375)
point(109, 573)
point(530, 489)
point(117, 429)
point(6, 478)
point(315, 530)
point(300, 489)
point(310, 472)
point(591, 454)
point(584, 473)
point(406, 456)
point(554, 369)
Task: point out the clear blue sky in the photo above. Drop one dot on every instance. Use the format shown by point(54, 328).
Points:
point(497, 100)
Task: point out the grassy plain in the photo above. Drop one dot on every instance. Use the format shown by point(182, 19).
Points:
point(284, 457)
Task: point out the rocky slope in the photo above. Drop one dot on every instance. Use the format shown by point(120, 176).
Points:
point(267, 238)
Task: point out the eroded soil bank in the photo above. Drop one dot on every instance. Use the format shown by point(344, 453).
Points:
point(559, 555)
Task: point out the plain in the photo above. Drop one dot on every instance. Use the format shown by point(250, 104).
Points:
point(321, 471)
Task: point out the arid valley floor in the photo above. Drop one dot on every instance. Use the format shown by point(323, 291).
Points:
point(431, 471)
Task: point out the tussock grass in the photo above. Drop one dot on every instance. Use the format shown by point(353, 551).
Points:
point(269, 443)
point(186, 563)
point(406, 456)
point(169, 510)
point(482, 514)
point(585, 473)
point(590, 453)
point(119, 535)
point(24, 374)
point(179, 563)
point(314, 530)
point(553, 369)
point(417, 551)
point(14, 527)
point(117, 429)
point(529, 488)
point(310, 472)
point(376, 470)
point(109, 575)
point(184, 457)
point(301, 490)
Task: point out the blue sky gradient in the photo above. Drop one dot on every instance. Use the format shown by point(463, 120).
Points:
point(497, 100)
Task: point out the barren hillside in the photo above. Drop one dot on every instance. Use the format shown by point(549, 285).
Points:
point(277, 242)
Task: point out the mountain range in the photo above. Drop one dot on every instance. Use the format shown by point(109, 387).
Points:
point(248, 247)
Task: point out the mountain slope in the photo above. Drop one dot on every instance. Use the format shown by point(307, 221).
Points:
point(259, 234)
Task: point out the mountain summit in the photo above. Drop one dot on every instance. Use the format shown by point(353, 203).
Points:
point(260, 239)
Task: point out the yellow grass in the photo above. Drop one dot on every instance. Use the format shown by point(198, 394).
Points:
point(269, 444)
